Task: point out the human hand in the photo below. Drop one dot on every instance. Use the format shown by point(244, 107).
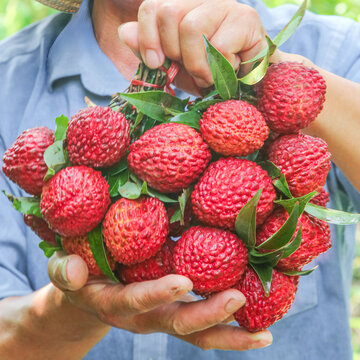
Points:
point(162, 305)
point(174, 29)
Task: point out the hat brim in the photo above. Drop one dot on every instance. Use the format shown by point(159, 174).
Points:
point(69, 6)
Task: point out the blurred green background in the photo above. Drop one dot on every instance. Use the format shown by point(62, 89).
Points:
point(16, 14)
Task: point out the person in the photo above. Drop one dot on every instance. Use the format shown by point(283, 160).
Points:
point(47, 70)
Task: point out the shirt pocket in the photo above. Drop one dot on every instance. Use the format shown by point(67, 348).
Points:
point(306, 296)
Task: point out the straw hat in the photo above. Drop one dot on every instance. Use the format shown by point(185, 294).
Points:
point(70, 6)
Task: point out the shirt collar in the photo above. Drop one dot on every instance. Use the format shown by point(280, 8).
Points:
point(76, 52)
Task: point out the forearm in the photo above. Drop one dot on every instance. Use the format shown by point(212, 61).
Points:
point(339, 122)
point(46, 325)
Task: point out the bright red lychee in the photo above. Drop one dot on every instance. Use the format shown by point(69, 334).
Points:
point(315, 238)
point(79, 245)
point(159, 265)
point(259, 311)
point(75, 200)
point(213, 259)
point(24, 161)
point(169, 157)
point(134, 230)
point(233, 128)
point(40, 228)
point(321, 199)
point(226, 186)
point(304, 160)
point(291, 96)
point(97, 137)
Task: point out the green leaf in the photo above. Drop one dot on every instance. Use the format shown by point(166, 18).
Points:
point(256, 75)
point(283, 186)
point(203, 105)
point(54, 158)
point(272, 170)
point(289, 204)
point(176, 216)
point(130, 190)
point(25, 205)
point(245, 224)
point(332, 216)
point(291, 26)
point(153, 193)
point(183, 198)
point(117, 168)
point(222, 72)
point(264, 273)
point(284, 235)
point(62, 123)
point(138, 120)
point(98, 250)
point(158, 105)
point(190, 118)
point(268, 258)
point(293, 245)
point(116, 181)
point(49, 249)
point(299, 273)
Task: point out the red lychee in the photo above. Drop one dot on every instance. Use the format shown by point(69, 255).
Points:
point(24, 161)
point(75, 200)
point(40, 228)
point(321, 199)
point(226, 186)
point(169, 157)
point(233, 128)
point(134, 230)
point(97, 137)
point(211, 258)
point(291, 96)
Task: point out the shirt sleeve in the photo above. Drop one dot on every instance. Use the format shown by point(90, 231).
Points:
point(13, 248)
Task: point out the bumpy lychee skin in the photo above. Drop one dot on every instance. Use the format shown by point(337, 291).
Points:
point(226, 186)
point(304, 160)
point(134, 230)
point(75, 200)
point(233, 128)
point(213, 259)
point(40, 228)
point(24, 161)
point(259, 311)
point(159, 265)
point(169, 157)
point(97, 137)
point(315, 238)
point(321, 199)
point(79, 245)
point(291, 96)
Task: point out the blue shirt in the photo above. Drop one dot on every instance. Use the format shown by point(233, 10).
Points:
point(48, 68)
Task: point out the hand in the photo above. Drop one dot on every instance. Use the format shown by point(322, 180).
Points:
point(174, 29)
point(162, 305)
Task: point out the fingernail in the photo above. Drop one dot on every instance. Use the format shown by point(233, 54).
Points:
point(234, 304)
point(63, 271)
point(262, 339)
point(178, 291)
point(119, 32)
point(152, 59)
point(201, 82)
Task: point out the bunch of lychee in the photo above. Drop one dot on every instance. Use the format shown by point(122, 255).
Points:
point(139, 233)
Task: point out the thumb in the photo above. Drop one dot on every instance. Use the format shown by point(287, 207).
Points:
point(128, 34)
point(67, 272)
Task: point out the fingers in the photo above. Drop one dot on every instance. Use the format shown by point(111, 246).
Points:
point(226, 337)
point(186, 318)
point(67, 272)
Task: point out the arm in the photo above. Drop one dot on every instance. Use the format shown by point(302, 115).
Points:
point(58, 324)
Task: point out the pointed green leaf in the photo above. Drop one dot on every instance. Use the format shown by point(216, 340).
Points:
point(162, 197)
point(272, 170)
point(190, 118)
point(289, 204)
point(116, 181)
point(256, 75)
point(299, 273)
point(130, 190)
point(264, 273)
point(269, 258)
point(117, 168)
point(158, 105)
point(49, 249)
point(62, 123)
point(284, 235)
point(332, 216)
point(245, 224)
point(291, 26)
point(55, 159)
point(203, 105)
point(222, 72)
point(25, 205)
point(282, 185)
point(293, 246)
point(98, 250)
point(139, 118)
point(176, 216)
point(183, 198)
